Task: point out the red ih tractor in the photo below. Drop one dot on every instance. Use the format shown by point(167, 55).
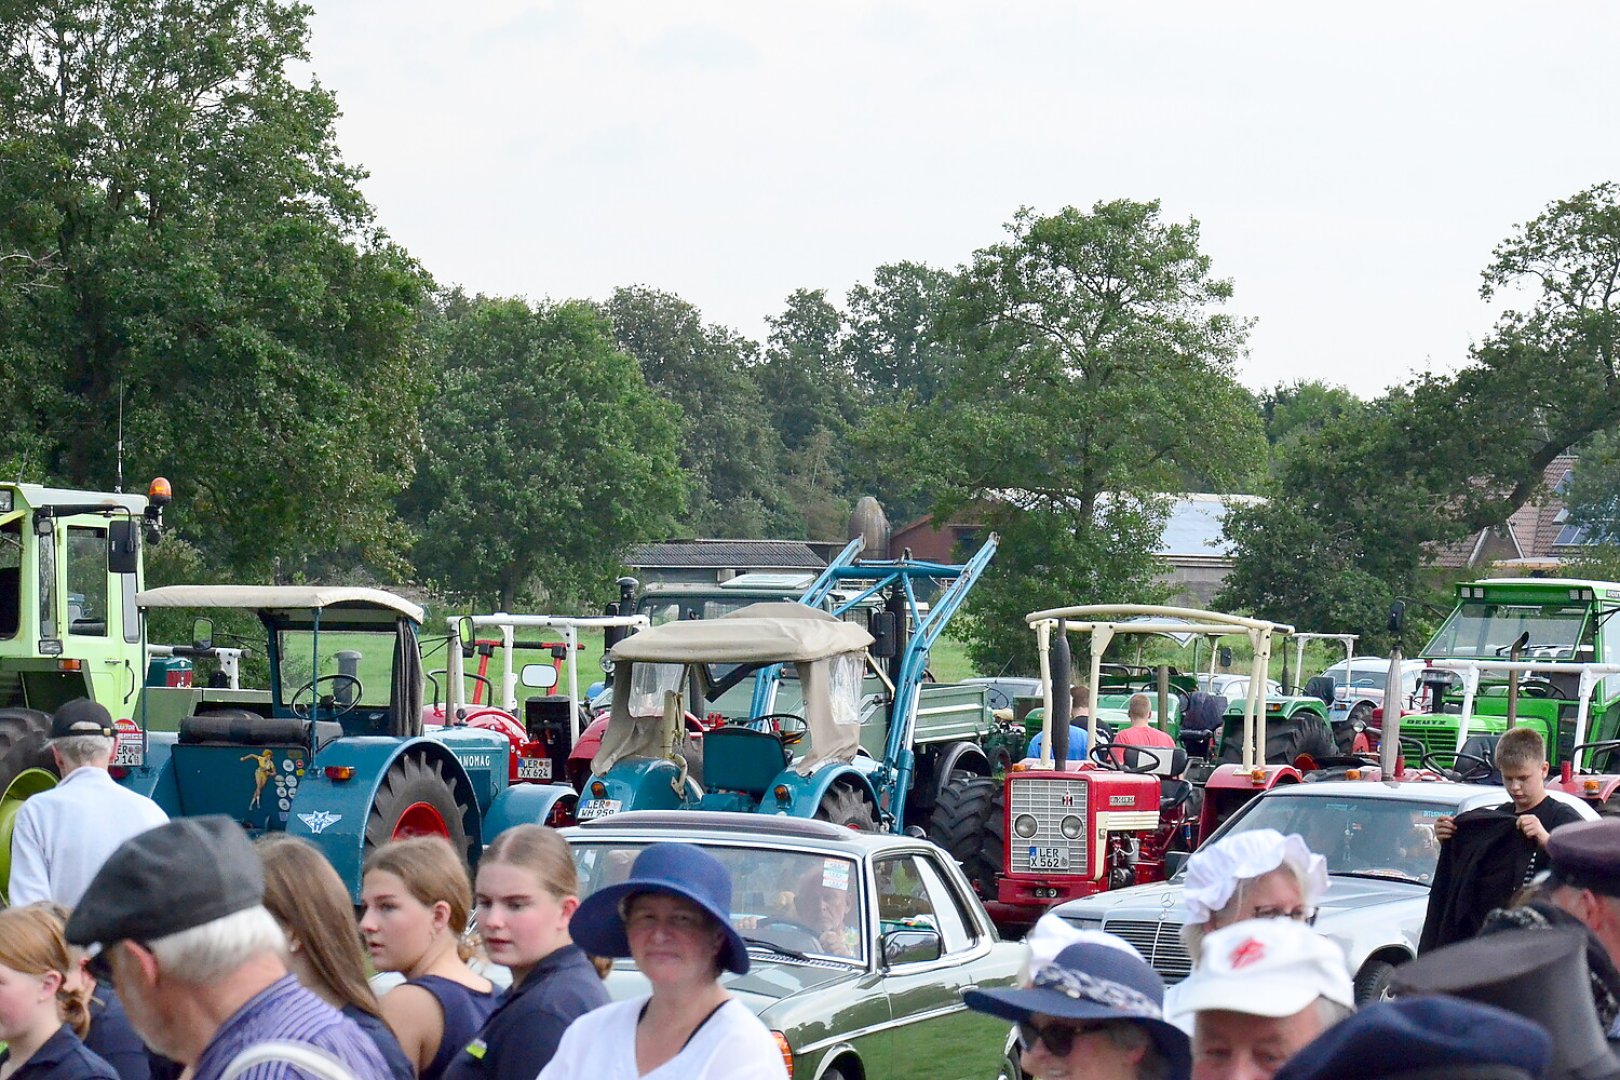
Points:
point(1052, 829)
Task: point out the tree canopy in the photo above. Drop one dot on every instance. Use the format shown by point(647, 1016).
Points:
point(547, 454)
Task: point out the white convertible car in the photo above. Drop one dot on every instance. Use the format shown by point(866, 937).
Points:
point(1378, 839)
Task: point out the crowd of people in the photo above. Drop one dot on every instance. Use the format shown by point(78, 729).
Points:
point(181, 950)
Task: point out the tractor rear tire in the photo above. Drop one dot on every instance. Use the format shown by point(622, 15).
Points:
point(843, 805)
point(993, 841)
point(416, 798)
point(958, 823)
point(1286, 740)
point(23, 743)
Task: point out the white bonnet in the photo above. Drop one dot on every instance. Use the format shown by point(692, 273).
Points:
point(1213, 873)
point(1052, 934)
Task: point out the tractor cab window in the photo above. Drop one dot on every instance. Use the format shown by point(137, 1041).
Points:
point(348, 668)
point(1484, 630)
point(11, 551)
point(87, 581)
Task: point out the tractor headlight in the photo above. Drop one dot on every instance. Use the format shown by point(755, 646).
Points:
point(1025, 825)
point(1071, 827)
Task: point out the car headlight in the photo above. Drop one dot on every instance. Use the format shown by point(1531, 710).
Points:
point(1025, 825)
point(1071, 827)
point(1084, 922)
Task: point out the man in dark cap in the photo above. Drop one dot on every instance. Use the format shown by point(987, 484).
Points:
point(198, 962)
point(1585, 883)
point(62, 836)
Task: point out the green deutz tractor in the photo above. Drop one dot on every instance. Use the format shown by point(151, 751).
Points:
point(1529, 652)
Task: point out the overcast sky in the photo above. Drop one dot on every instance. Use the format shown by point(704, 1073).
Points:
point(1351, 166)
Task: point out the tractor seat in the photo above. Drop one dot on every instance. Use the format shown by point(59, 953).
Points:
point(741, 759)
point(1173, 794)
point(240, 727)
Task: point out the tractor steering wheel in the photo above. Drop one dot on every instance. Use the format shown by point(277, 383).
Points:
point(1101, 755)
point(303, 711)
point(432, 677)
point(789, 727)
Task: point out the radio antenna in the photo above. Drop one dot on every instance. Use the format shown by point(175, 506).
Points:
point(119, 486)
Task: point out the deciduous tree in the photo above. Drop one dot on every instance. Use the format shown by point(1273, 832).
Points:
point(548, 456)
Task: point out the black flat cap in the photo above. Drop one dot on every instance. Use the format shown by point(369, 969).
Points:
point(1586, 854)
point(81, 716)
point(168, 879)
point(1425, 1037)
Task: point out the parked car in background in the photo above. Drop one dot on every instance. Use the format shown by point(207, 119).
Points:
point(861, 943)
point(1358, 687)
point(1378, 840)
point(1233, 687)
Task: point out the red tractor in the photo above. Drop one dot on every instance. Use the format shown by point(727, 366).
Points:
point(1049, 832)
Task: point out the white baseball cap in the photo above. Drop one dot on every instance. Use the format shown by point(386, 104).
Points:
point(1213, 872)
point(1266, 967)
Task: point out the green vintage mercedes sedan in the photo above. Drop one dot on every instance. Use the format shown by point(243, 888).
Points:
point(861, 943)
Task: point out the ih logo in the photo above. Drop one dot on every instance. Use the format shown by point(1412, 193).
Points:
point(1068, 799)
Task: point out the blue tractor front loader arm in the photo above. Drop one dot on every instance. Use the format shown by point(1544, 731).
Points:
point(893, 778)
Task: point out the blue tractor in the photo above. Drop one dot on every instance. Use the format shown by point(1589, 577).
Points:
point(339, 754)
point(843, 721)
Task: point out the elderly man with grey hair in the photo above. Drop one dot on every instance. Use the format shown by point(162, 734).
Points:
point(200, 964)
point(62, 836)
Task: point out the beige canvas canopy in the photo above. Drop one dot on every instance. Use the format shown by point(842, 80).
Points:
point(815, 642)
point(756, 634)
point(275, 597)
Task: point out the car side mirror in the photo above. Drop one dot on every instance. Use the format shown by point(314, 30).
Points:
point(913, 945)
point(1173, 862)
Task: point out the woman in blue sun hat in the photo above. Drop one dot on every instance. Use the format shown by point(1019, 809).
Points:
point(1094, 1013)
point(672, 916)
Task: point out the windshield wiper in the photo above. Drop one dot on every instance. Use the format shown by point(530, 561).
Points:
point(771, 946)
point(1394, 875)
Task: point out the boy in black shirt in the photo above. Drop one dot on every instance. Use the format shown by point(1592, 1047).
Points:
point(1521, 758)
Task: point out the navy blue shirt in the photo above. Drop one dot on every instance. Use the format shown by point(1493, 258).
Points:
point(522, 1034)
point(465, 1011)
point(63, 1057)
point(286, 1010)
point(383, 1035)
point(113, 1039)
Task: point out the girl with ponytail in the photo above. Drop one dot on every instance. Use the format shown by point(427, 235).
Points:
point(41, 1020)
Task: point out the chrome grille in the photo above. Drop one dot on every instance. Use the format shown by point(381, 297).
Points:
point(1159, 941)
point(1049, 801)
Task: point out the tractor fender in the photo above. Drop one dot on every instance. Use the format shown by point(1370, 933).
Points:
point(331, 812)
point(805, 792)
point(963, 757)
point(531, 804)
point(638, 784)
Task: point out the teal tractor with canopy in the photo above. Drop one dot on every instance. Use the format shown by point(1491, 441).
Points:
point(844, 722)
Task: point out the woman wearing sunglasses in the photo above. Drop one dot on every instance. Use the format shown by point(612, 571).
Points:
point(1094, 1013)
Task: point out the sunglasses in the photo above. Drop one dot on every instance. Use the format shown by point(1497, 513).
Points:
point(1059, 1038)
point(100, 965)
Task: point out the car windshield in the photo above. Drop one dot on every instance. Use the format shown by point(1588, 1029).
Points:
point(1387, 838)
point(798, 901)
point(1483, 629)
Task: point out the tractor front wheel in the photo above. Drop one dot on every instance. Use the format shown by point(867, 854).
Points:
point(958, 823)
point(843, 805)
point(23, 743)
point(416, 798)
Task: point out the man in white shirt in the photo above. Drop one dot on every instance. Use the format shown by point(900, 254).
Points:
point(62, 836)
